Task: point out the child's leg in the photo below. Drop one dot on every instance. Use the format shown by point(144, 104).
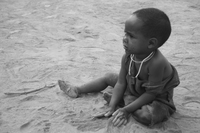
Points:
point(109, 79)
point(153, 113)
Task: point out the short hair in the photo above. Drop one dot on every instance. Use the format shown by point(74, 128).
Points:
point(156, 24)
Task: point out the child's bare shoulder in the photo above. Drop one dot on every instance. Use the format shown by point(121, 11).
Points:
point(159, 63)
point(159, 60)
point(159, 66)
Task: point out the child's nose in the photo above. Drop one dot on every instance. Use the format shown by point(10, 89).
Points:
point(125, 39)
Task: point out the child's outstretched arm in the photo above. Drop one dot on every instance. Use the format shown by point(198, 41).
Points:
point(119, 88)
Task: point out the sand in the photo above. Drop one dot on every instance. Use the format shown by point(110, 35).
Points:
point(42, 41)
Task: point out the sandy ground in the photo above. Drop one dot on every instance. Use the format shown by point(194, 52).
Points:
point(42, 41)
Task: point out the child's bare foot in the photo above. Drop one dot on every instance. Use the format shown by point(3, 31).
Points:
point(107, 97)
point(71, 91)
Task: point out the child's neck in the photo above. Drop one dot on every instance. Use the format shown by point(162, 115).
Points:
point(140, 57)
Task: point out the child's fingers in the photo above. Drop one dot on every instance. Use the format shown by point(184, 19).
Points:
point(116, 122)
point(109, 113)
point(99, 116)
point(115, 113)
point(120, 122)
point(125, 121)
point(115, 118)
point(106, 114)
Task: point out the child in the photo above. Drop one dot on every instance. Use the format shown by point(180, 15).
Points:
point(146, 79)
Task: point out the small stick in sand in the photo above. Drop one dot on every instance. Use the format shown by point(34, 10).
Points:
point(28, 92)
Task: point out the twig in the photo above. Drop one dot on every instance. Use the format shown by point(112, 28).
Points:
point(28, 92)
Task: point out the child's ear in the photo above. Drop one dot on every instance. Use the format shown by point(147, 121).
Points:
point(153, 43)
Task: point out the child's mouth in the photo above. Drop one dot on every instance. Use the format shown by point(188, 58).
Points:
point(125, 47)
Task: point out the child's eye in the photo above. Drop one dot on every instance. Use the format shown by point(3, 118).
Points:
point(128, 35)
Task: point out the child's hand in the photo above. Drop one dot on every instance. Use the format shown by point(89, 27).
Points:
point(109, 112)
point(120, 117)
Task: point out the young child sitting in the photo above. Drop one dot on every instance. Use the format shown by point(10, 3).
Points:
point(146, 79)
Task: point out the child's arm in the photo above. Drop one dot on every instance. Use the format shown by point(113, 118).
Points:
point(119, 88)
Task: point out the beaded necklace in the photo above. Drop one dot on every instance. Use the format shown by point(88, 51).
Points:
point(144, 60)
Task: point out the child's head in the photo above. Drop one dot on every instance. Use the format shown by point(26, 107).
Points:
point(156, 24)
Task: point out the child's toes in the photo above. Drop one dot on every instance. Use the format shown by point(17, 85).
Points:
point(62, 85)
point(72, 92)
point(107, 97)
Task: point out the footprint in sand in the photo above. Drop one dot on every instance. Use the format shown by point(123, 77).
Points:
point(45, 126)
point(26, 125)
point(192, 103)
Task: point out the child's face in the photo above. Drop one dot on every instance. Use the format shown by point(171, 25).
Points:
point(134, 42)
